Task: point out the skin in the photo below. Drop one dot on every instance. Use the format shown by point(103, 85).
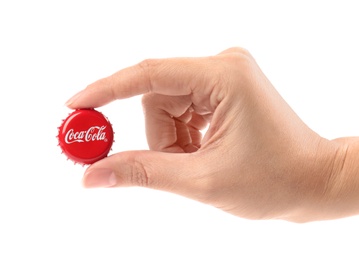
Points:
point(257, 160)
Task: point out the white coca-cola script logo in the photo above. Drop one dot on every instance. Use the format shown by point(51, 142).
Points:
point(94, 133)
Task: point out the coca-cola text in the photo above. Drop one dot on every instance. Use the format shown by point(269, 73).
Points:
point(94, 133)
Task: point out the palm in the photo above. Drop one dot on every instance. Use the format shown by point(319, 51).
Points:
point(172, 124)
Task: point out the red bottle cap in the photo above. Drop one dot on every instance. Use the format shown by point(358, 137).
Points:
point(85, 136)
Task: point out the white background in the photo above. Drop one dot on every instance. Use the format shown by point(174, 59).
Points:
point(49, 50)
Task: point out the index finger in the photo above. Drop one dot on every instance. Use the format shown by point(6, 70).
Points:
point(174, 77)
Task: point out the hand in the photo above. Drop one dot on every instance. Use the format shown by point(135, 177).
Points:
point(257, 160)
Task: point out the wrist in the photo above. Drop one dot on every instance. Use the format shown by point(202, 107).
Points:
point(328, 183)
point(343, 185)
point(337, 184)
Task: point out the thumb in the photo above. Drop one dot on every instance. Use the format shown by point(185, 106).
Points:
point(173, 172)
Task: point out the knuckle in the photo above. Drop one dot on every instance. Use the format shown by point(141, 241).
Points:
point(148, 63)
point(243, 51)
point(147, 67)
point(139, 174)
point(237, 50)
point(237, 55)
point(148, 100)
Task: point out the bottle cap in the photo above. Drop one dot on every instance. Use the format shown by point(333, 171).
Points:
point(85, 136)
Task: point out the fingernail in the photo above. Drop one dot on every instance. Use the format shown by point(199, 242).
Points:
point(99, 178)
point(73, 99)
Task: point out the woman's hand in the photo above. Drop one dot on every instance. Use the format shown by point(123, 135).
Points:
point(257, 160)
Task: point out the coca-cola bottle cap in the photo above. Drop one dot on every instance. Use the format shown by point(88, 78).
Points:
point(85, 136)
